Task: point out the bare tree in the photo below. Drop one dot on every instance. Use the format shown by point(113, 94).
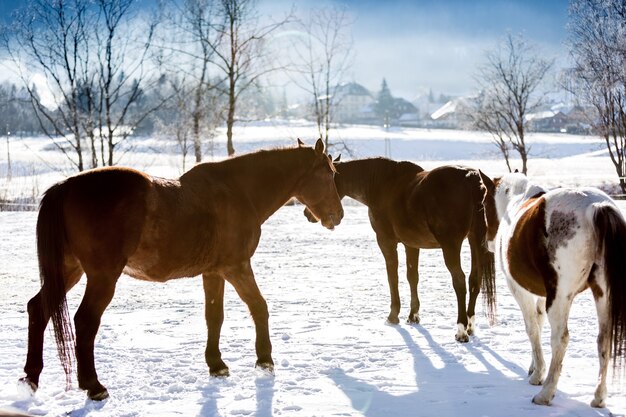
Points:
point(52, 38)
point(123, 43)
point(92, 55)
point(241, 54)
point(321, 59)
point(598, 49)
point(188, 44)
point(508, 82)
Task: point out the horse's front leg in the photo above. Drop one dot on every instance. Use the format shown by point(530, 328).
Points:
point(558, 314)
point(452, 258)
point(412, 275)
point(242, 279)
point(214, 316)
point(389, 248)
point(533, 314)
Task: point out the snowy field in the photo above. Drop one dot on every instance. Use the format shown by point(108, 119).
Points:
point(328, 300)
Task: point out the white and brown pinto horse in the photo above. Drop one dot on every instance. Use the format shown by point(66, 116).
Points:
point(552, 245)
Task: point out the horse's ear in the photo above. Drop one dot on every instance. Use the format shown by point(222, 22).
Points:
point(300, 143)
point(338, 158)
point(319, 146)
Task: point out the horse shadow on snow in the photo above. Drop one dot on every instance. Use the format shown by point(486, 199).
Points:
point(454, 390)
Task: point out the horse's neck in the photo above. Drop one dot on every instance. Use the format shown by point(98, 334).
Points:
point(362, 180)
point(267, 180)
point(517, 201)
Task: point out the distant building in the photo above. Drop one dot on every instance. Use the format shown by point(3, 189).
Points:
point(353, 104)
point(405, 113)
point(561, 118)
point(452, 115)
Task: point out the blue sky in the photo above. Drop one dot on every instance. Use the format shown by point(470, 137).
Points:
point(419, 45)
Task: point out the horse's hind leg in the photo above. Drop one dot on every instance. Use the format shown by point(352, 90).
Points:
point(242, 278)
point(98, 294)
point(533, 314)
point(452, 258)
point(538, 365)
point(558, 314)
point(412, 275)
point(474, 281)
point(37, 322)
point(604, 342)
point(214, 315)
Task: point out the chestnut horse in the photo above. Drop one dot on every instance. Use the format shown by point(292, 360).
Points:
point(552, 245)
point(424, 209)
point(208, 222)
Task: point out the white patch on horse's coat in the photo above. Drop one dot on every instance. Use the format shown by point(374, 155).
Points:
point(470, 325)
point(461, 333)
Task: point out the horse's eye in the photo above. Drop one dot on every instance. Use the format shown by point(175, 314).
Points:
point(506, 190)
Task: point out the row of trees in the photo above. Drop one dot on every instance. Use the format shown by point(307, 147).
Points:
point(110, 67)
point(192, 65)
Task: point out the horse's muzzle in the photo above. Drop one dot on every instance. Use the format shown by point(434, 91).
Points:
point(332, 220)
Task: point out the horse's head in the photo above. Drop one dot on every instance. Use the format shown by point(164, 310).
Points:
point(500, 193)
point(307, 213)
point(317, 190)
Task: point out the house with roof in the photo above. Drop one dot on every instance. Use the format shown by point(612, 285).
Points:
point(354, 104)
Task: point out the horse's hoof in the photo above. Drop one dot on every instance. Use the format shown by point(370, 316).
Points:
point(462, 338)
point(98, 395)
point(220, 373)
point(413, 319)
point(535, 380)
point(541, 400)
point(598, 403)
point(27, 385)
point(266, 368)
point(393, 320)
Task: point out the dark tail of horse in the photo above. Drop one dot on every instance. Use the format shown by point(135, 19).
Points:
point(51, 242)
point(611, 232)
point(487, 259)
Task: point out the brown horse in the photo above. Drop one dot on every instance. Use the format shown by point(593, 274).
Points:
point(424, 209)
point(208, 222)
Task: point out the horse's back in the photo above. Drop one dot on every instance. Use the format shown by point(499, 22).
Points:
point(105, 211)
point(445, 196)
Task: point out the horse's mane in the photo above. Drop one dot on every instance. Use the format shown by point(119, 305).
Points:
point(383, 165)
point(248, 159)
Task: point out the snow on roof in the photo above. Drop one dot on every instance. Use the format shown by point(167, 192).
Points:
point(541, 115)
point(449, 107)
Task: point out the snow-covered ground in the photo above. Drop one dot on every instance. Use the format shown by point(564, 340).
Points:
point(328, 300)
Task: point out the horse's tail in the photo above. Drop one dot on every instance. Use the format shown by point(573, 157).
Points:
point(487, 259)
point(611, 232)
point(51, 242)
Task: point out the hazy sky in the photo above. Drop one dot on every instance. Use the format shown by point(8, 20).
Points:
point(422, 44)
point(429, 44)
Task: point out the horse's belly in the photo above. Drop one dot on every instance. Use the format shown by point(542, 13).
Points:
point(419, 240)
point(161, 270)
